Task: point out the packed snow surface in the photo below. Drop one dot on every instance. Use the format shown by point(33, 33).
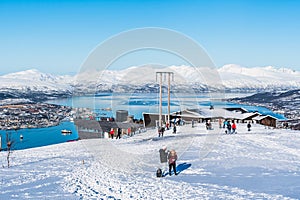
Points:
point(258, 164)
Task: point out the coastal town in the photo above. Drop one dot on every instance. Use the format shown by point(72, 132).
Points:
point(32, 115)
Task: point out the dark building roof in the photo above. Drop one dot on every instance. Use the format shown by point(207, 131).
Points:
point(241, 109)
point(88, 124)
point(103, 126)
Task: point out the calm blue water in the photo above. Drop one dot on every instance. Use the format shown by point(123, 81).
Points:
point(37, 137)
point(136, 104)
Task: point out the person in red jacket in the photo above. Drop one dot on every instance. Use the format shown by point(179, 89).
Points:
point(233, 127)
point(111, 133)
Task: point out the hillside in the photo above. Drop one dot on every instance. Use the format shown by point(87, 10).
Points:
point(281, 102)
point(260, 164)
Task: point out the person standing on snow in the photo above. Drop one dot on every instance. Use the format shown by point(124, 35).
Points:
point(159, 131)
point(162, 131)
point(167, 125)
point(228, 127)
point(112, 132)
point(119, 133)
point(225, 124)
point(163, 154)
point(220, 123)
point(172, 161)
point(249, 126)
point(233, 127)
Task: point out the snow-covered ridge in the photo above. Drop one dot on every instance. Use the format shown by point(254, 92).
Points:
point(235, 76)
point(33, 84)
point(231, 77)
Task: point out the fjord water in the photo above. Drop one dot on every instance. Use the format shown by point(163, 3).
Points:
point(36, 137)
point(106, 104)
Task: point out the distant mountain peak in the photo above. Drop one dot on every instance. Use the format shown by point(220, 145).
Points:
point(31, 74)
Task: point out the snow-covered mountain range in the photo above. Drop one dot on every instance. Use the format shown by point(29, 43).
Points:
point(144, 79)
point(34, 85)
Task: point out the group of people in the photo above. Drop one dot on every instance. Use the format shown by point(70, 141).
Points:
point(161, 130)
point(231, 128)
point(169, 157)
point(112, 133)
point(208, 125)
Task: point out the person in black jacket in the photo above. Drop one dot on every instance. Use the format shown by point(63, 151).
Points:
point(119, 133)
point(163, 154)
point(174, 129)
point(249, 126)
point(229, 127)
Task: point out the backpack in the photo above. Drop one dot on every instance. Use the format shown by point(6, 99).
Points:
point(158, 172)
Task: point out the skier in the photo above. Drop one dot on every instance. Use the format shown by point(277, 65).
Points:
point(172, 161)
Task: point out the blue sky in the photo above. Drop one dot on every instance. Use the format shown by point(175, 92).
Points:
point(57, 36)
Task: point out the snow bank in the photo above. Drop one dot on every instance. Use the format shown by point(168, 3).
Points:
point(260, 164)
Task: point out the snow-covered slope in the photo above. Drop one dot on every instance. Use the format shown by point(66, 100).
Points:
point(260, 164)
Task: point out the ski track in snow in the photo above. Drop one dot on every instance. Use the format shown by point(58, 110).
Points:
point(261, 164)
